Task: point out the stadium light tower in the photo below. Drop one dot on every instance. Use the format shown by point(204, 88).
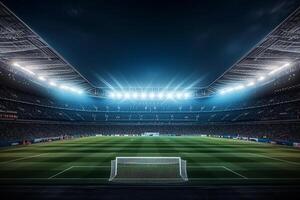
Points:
point(251, 83)
point(28, 71)
point(42, 78)
point(187, 95)
point(52, 83)
point(119, 95)
point(170, 95)
point(179, 95)
point(161, 95)
point(135, 95)
point(151, 95)
point(143, 95)
point(127, 95)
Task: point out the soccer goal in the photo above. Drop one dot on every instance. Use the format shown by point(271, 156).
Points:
point(148, 169)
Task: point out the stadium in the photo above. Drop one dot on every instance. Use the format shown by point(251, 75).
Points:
point(64, 136)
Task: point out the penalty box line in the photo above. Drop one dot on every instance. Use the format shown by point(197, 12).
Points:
point(95, 166)
point(278, 159)
point(23, 158)
point(86, 166)
point(220, 166)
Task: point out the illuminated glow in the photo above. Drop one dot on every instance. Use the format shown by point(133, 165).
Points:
point(161, 95)
point(52, 83)
point(261, 78)
point(239, 87)
point(151, 95)
point(179, 95)
point(119, 95)
point(187, 95)
point(143, 95)
point(135, 95)
point(230, 89)
point(15, 64)
point(64, 87)
point(76, 90)
point(112, 95)
point(170, 95)
point(279, 69)
point(251, 83)
point(222, 91)
point(42, 78)
point(127, 95)
point(79, 91)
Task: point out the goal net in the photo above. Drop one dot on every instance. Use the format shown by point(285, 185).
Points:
point(148, 169)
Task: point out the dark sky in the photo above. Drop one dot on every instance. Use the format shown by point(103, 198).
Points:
point(152, 43)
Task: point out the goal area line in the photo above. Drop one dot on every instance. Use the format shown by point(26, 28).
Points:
point(106, 166)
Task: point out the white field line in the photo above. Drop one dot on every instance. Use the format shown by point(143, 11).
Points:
point(226, 168)
point(91, 166)
point(24, 158)
point(240, 175)
point(74, 167)
point(205, 166)
point(278, 159)
point(60, 172)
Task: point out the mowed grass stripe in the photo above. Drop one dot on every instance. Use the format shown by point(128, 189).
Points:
point(241, 157)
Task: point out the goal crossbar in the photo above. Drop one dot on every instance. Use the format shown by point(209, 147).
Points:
point(148, 169)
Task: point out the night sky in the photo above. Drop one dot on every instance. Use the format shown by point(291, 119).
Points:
point(152, 43)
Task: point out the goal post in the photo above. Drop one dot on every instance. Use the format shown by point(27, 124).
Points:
point(148, 169)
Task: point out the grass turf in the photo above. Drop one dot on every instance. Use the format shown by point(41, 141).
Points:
point(209, 160)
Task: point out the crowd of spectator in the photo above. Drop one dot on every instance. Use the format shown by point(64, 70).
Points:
point(279, 106)
point(275, 115)
point(27, 131)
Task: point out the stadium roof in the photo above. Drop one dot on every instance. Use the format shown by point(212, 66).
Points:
point(279, 48)
point(20, 46)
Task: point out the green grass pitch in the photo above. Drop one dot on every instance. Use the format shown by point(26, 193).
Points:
point(209, 160)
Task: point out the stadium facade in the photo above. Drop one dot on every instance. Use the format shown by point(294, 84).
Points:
point(44, 98)
point(260, 90)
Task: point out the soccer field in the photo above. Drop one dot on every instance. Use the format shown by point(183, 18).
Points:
point(209, 160)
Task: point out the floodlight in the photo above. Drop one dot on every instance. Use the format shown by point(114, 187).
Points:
point(286, 65)
point(126, 95)
point(64, 87)
point(112, 95)
point(279, 69)
point(222, 91)
point(251, 83)
point(161, 95)
point(187, 95)
point(261, 78)
point(170, 95)
point(42, 78)
point(52, 83)
point(143, 95)
point(179, 95)
point(229, 89)
point(79, 91)
point(76, 90)
point(15, 64)
point(73, 89)
point(151, 95)
point(239, 87)
point(135, 95)
point(119, 95)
